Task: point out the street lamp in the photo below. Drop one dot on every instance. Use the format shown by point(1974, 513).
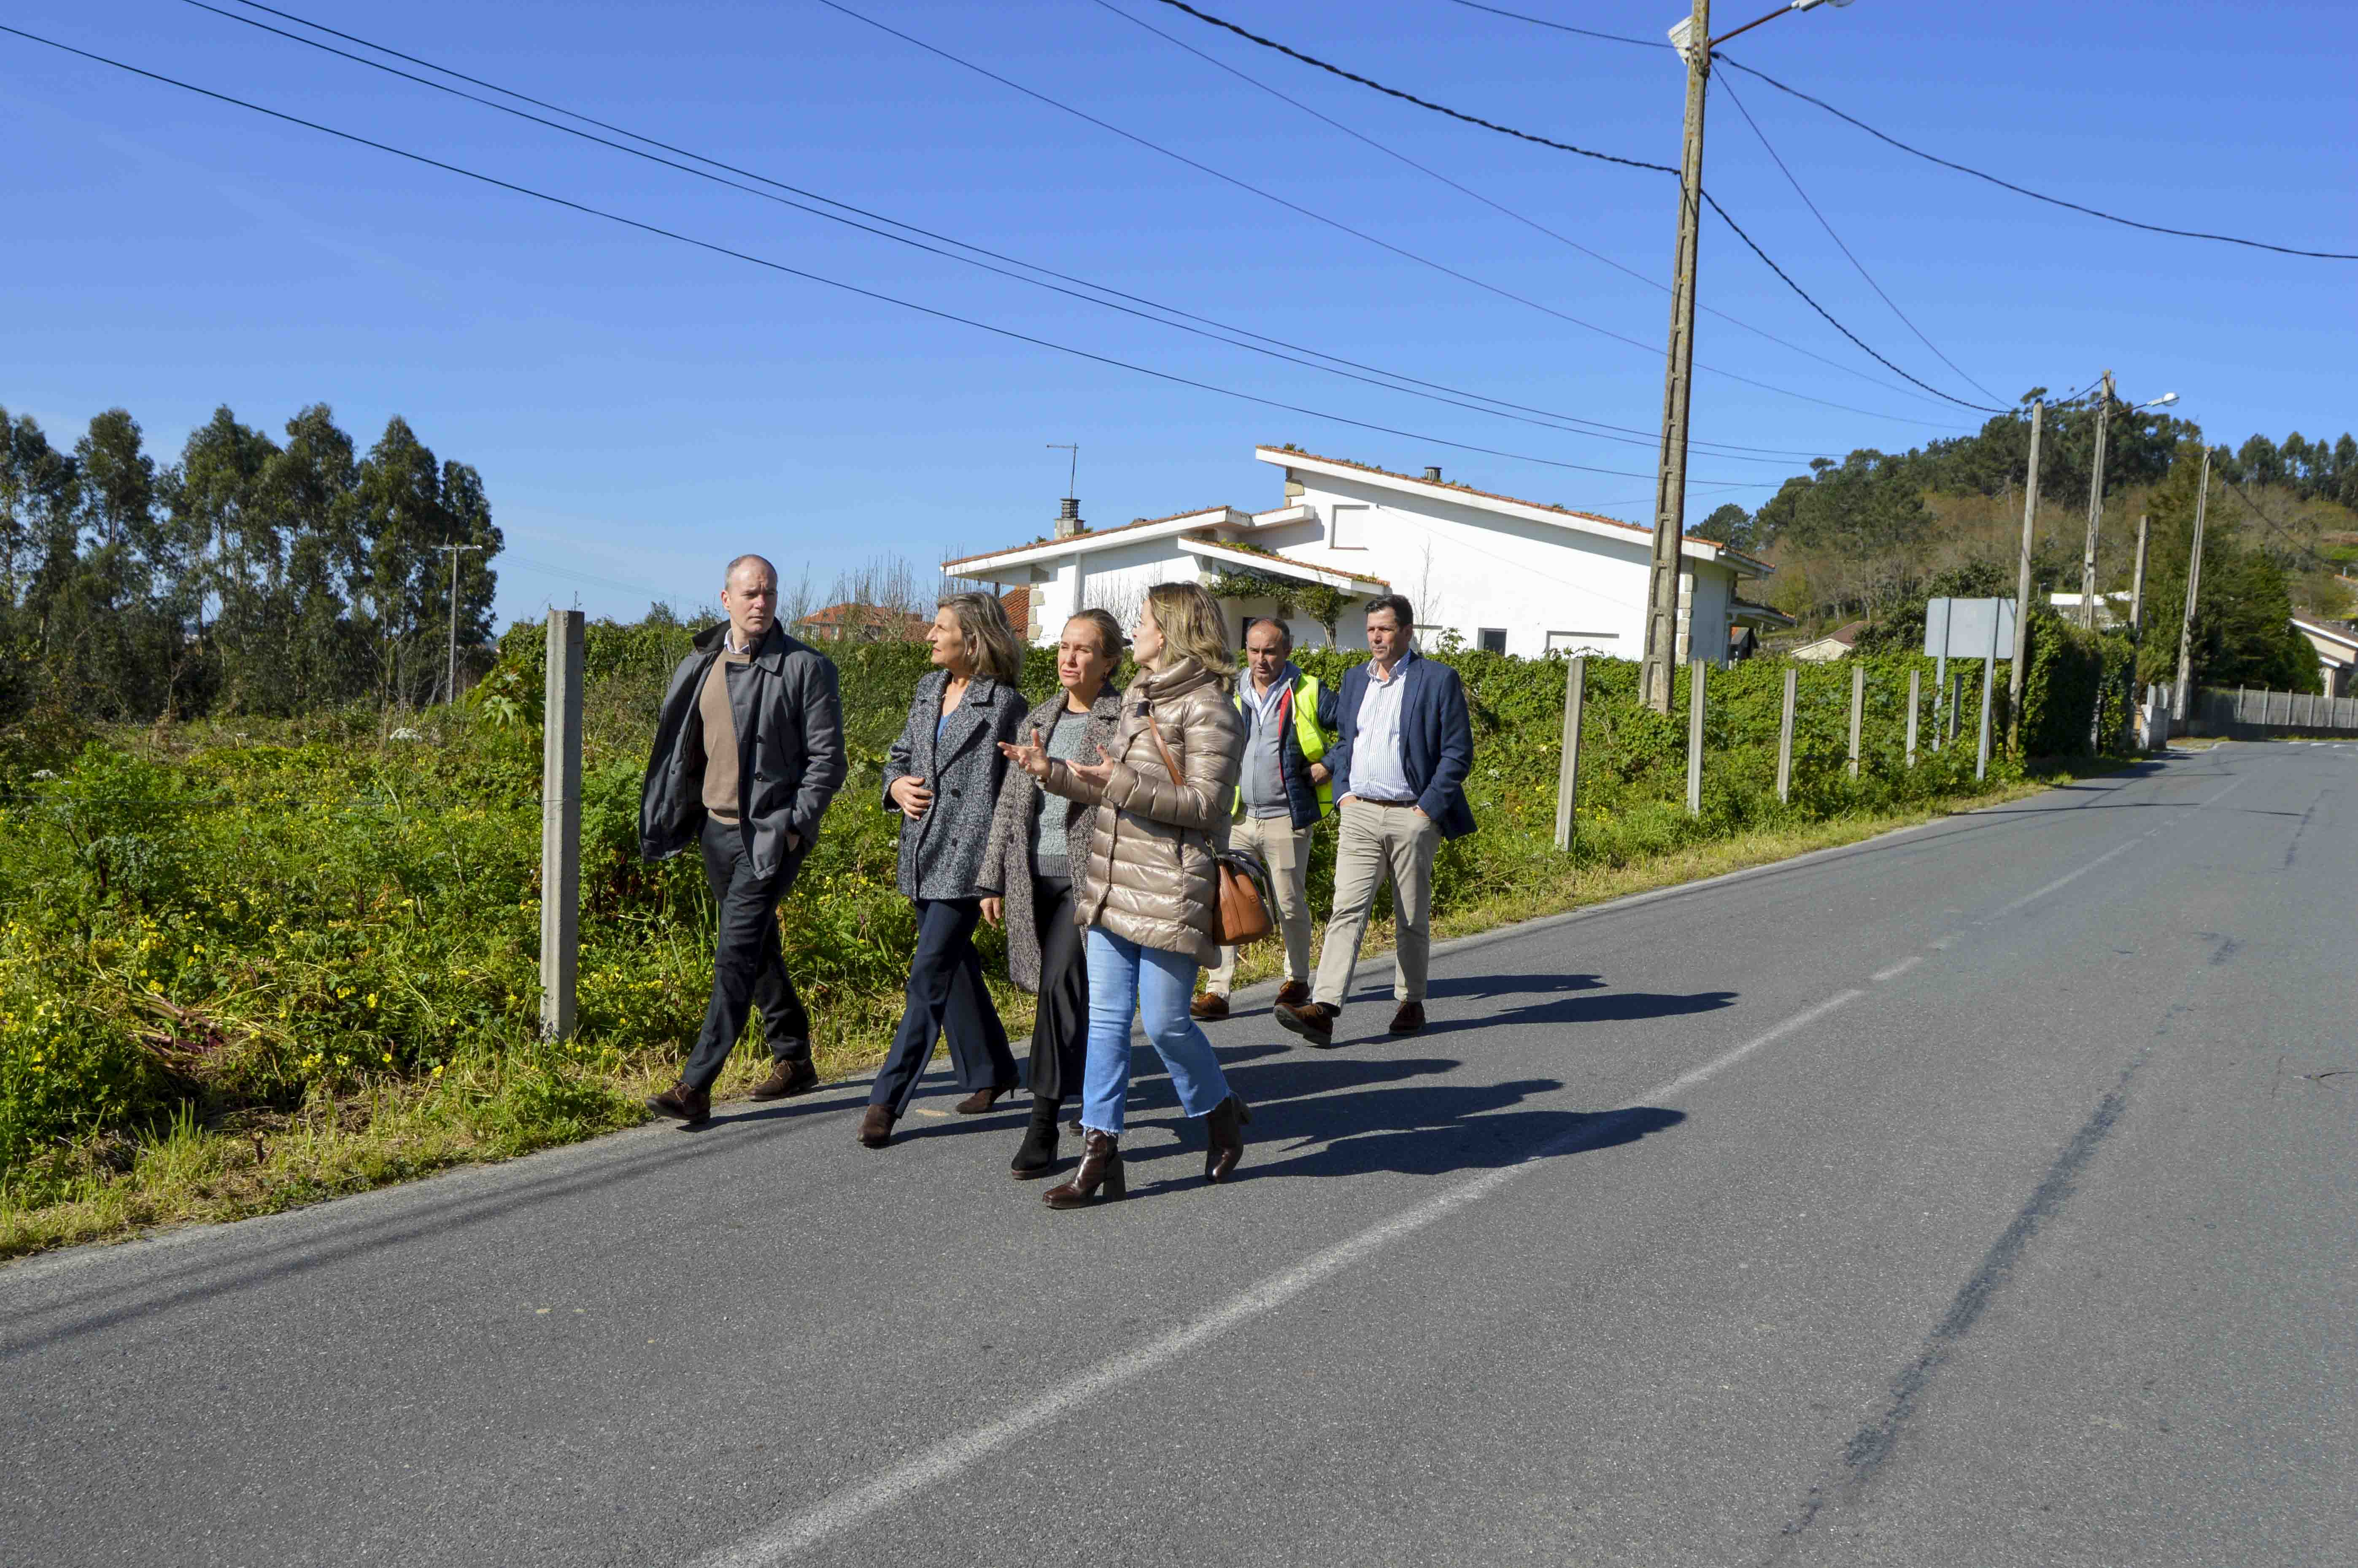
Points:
point(1670, 483)
point(2096, 496)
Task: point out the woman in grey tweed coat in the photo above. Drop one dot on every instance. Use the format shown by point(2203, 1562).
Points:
point(1027, 880)
point(941, 776)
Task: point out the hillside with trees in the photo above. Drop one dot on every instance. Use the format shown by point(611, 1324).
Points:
point(1872, 535)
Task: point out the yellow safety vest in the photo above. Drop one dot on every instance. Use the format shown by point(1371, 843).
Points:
point(1306, 735)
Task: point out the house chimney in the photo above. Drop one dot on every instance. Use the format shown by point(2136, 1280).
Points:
point(1432, 474)
point(1068, 518)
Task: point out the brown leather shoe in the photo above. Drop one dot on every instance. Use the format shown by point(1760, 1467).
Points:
point(1313, 1021)
point(1096, 1178)
point(1294, 993)
point(982, 1100)
point(1211, 1005)
point(876, 1127)
point(1223, 1138)
point(689, 1107)
point(787, 1079)
point(1409, 1018)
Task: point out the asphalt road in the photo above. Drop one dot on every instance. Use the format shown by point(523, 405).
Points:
point(1980, 1195)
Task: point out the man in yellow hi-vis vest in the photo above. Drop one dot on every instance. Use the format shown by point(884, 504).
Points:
point(1288, 723)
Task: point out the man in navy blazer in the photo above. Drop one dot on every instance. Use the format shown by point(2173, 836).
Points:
point(1400, 766)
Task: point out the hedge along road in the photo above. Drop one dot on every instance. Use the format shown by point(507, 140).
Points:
point(1976, 1194)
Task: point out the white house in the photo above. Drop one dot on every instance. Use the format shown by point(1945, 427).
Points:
point(1514, 577)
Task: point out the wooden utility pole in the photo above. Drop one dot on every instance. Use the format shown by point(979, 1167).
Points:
point(2022, 582)
point(560, 824)
point(1567, 770)
point(1698, 677)
point(1785, 739)
point(2194, 586)
point(450, 691)
point(1671, 483)
point(2095, 510)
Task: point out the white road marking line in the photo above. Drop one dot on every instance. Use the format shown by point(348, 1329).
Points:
point(2067, 879)
point(1897, 969)
point(798, 1533)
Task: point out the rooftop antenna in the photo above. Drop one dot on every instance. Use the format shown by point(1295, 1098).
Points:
point(1068, 515)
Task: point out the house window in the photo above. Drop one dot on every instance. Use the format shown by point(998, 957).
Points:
point(1347, 527)
point(1583, 642)
point(1493, 639)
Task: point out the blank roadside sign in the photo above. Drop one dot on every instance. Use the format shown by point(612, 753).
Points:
point(1960, 628)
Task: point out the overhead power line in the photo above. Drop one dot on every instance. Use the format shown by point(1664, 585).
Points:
point(1567, 27)
point(1768, 261)
point(1918, 152)
point(1293, 53)
point(1494, 205)
point(1411, 98)
point(1521, 413)
point(1572, 424)
point(1063, 107)
point(1769, 147)
point(716, 248)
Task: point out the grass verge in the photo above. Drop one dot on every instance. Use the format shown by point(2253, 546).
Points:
point(498, 1105)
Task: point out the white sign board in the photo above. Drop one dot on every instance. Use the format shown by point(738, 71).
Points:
point(1965, 628)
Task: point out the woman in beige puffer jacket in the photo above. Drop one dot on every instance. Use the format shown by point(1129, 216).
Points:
point(1147, 888)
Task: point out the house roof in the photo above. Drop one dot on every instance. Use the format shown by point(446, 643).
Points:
point(856, 615)
point(2331, 631)
point(1689, 543)
point(1089, 539)
point(1756, 614)
point(1281, 566)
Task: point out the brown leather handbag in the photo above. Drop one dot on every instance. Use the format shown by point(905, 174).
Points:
point(1240, 913)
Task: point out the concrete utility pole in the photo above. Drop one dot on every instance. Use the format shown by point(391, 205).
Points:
point(2095, 510)
point(450, 691)
point(560, 824)
point(2137, 589)
point(1670, 483)
point(2194, 587)
point(2022, 581)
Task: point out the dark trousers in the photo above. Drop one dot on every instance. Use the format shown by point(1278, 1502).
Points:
point(945, 995)
point(1060, 1029)
point(749, 967)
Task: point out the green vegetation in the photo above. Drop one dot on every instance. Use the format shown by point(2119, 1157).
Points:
point(244, 969)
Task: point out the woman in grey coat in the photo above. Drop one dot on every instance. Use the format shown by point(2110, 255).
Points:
point(942, 775)
point(1027, 875)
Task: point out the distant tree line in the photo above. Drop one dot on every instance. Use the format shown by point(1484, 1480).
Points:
point(252, 576)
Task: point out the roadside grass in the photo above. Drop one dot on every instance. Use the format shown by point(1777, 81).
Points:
point(496, 1104)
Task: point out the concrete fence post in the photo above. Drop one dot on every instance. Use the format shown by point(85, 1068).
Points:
point(1857, 711)
point(1956, 701)
point(1567, 770)
point(1915, 695)
point(1785, 738)
point(1989, 688)
point(1698, 678)
point(560, 824)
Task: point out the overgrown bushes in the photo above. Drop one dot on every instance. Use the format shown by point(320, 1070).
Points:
point(248, 932)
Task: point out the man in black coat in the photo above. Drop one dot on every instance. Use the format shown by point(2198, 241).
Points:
point(748, 753)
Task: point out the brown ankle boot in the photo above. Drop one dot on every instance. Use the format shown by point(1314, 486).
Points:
point(876, 1126)
point(1096, 1178)
point(1223, 1138)
point(683, 1104)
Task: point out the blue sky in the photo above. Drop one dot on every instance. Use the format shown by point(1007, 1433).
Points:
point(641, 410)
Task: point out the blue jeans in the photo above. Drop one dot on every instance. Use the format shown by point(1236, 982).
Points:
point(1125, 979)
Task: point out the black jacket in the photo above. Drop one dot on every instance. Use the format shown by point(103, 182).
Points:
point(941, 852)
point(789, 750)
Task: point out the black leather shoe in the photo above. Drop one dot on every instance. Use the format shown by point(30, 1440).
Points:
point(1409, 1018)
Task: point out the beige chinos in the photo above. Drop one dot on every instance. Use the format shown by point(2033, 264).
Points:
point(1373, 843)
point(1285, 851)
